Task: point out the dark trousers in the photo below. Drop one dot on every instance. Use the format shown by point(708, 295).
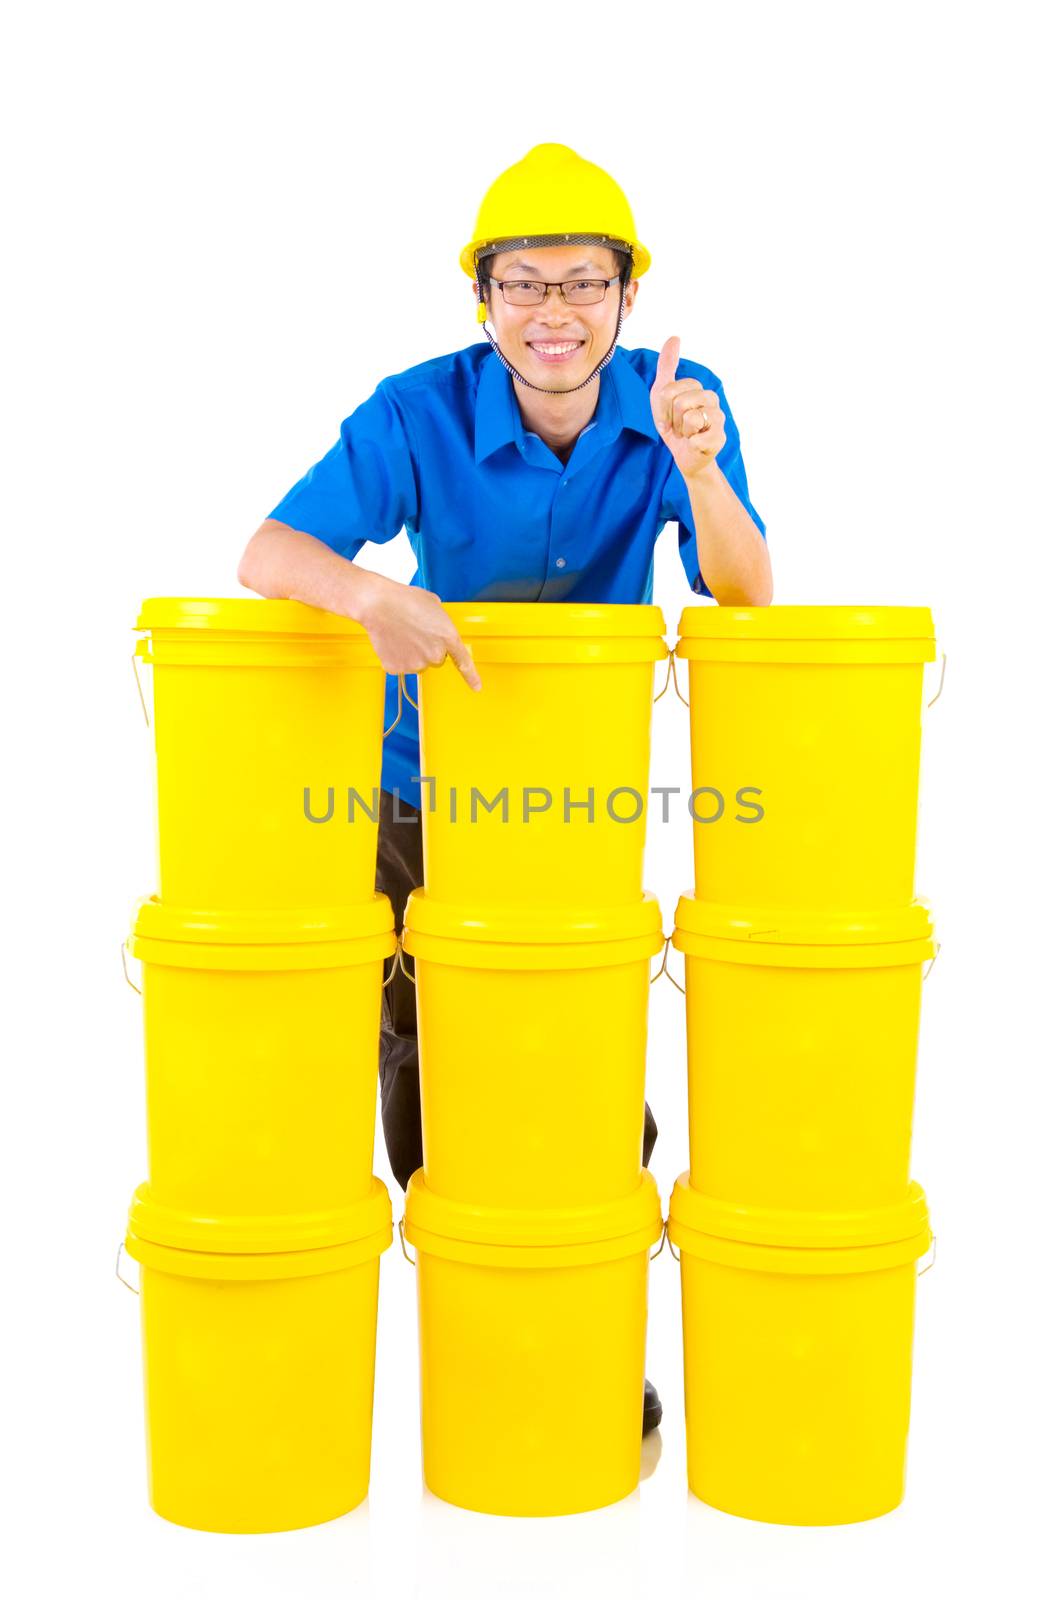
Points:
point(399, 870)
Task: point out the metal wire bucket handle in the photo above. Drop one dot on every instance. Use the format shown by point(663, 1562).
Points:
point(920, 1271)
point(942, 680)
point(665, 968)
point(398, 961)
point(117, 1272)
point(140, 688)
point(125, 969)
point(401, 1235)
point(669, 1242)
point(671, 672)
point(403, 695)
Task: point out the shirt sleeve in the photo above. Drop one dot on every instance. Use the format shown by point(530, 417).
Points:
point(676, 506)
point(364, 488)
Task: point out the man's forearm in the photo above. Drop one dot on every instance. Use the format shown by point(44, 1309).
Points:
point(282, 563)
point(732, 554)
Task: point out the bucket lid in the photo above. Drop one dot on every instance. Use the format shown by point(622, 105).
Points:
point(802, 1230)
point(519, 619)
point(785, 925)
point(428, 1213)
point(259, 1235)
point(245, 615)
point(307, 925)
point(444, 919)
point(869, 623)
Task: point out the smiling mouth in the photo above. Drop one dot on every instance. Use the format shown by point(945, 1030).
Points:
point(555, 349)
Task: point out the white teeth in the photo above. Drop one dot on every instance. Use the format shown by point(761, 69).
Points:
point(556, 349)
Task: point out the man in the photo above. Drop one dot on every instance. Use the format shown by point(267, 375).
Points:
point(540, 466)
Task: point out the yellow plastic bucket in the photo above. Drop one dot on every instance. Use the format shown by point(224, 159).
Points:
point(798, 1341)
point(532, 1043)
point(532, 1339)
point(259, 1367)
point(805, 751)
point(263, 711)
point(802, 1050)
point(261, 1038)
point(563, 720)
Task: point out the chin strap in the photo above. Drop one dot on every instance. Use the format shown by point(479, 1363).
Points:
point(483, 314)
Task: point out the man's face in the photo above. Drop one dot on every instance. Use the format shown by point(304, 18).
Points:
point(556, 345)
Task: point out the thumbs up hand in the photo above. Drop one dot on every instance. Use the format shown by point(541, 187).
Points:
point(689, 418)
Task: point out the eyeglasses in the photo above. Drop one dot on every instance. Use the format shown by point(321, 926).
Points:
point(578, 292)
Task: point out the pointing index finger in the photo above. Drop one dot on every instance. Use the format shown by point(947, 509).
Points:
point(464, 661)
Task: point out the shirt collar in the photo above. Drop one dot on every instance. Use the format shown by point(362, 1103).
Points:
point(623, 403)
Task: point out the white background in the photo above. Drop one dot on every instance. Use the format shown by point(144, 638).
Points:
point(225, 223)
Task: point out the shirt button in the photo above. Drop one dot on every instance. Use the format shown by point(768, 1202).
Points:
point(560, 562)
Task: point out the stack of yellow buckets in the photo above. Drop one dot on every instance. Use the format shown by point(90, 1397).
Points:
point(798, 1228)
point(260, 1229)
point(532, 1217)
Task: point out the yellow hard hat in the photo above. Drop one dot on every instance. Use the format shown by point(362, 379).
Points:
point(549, 197)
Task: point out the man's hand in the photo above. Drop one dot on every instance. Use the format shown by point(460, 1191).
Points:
point(411, 630)
point(689, 418)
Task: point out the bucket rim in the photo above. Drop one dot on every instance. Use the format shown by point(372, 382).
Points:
point(154, 919)
point(702, 1215)
point(532, 925)
point(257, 1268)
point(429, 1215)
point(779, 1260)
point(490, 619)
point(757, 925)
point(294, 1233)
point(242, 614)
point(805, 623)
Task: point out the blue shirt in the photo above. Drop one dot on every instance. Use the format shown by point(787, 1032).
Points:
point(491, 512)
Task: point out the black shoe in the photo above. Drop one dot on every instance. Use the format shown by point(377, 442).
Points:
point(652, 1408)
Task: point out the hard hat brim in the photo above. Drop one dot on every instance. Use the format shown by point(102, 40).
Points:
point(641, 256)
